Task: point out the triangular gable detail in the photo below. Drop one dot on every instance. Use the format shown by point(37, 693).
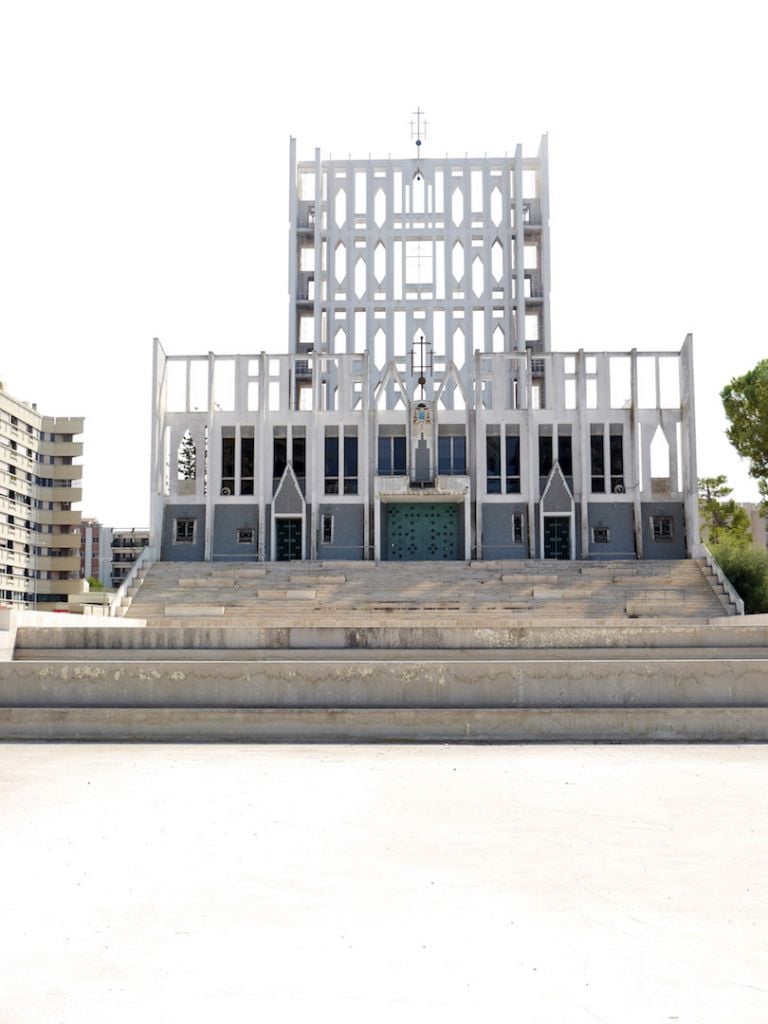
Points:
point(451, 373)
point(391, 375)
point(288, 500)
point(557, 496)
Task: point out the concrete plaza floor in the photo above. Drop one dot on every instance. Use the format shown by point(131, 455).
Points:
point(552, 884)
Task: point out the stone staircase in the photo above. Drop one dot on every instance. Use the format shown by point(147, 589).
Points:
point(358, 652)
point(353, 696)
point(368, 595)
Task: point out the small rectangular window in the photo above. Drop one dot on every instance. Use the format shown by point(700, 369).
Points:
point(513, 463)
point(597, 459)
point(228, 462)
point(517, 527)
point(280, 456)
point(299, 455)
point(565, 454)
point(331, 464)
point(617, 460)
point(350, 465)
point(451, 454)
point(601, 535)
point(246, 465)
point(392, 461)
point(545, 454)
point(326, 528)
point(662, 528)
point(184, 531)
point(493, 463)
point(246, 536)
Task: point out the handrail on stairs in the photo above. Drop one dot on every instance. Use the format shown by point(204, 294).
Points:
point(147, 556)
point(722, 579)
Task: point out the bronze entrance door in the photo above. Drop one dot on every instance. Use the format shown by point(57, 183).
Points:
point(557, 537)
point(419, 531)
point(288, 535)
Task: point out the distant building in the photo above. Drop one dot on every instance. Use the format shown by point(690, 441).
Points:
point(95, 551)
point(125, 546)
point(420, 412)
point(39, 484)
point(107, 553)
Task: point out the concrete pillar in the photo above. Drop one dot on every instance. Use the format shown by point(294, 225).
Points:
point(688, 454)
point(531, 472)
point(263, 456)
point(635, 460)
point(211, 470)
point(293, 257)
point(519, 251)
point(365, 443)
point(583, 481)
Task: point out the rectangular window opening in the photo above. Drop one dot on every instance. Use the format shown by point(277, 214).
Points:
point(517, 527)
point(350, 465)
point(326, 528)
point(493, 463)
point(662, 528)
point(184, 531)
point(597, 459)
point(331, 464)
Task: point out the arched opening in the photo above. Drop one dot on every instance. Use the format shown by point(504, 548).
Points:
point(186, 458)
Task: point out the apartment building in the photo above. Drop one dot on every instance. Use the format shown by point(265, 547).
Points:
point(125, 547)
point(107, 553)
point(40, 474)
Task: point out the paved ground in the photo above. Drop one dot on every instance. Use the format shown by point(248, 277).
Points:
point(541, 885)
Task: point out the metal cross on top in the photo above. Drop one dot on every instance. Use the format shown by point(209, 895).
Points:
point(418, 132)
point(424, 360)
point(418, 127)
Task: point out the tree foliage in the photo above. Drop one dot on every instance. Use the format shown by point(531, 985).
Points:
point(722, 518)
point(747, 569)
point(745, 401)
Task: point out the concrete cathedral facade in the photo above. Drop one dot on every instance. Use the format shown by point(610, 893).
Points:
point(420, 412)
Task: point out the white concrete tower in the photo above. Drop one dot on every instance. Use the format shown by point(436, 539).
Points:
point(383, 251)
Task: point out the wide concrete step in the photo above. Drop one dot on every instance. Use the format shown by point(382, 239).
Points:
point(356, 725)
point(405, 654)
point(534, 634)
point(316, 699)
point(315, 680)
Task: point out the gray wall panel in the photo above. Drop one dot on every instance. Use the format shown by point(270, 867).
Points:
point(664, 549)
point(173, 552)
point(618, 518)
point(228, 518)
point(497, 531)
point(347, 532)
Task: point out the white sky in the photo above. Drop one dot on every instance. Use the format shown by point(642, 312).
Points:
point(144, 181)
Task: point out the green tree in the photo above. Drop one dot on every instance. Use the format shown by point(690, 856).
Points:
point(745, 401)
point(722, 518)
point(747, 569)
point(94, 584)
